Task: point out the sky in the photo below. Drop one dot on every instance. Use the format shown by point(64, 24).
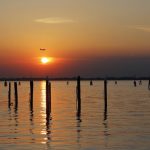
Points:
point(91, 38)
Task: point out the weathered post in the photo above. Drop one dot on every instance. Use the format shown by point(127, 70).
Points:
point(91, 82)
point(5, 83)
point(149, 84)
point(16, 94)
point(105, 96)
point(48, 97)
point(78, 96)
point(9, 95)
point(31, 93)
point(134, 83)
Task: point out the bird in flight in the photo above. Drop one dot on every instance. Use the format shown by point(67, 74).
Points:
point(42, 49)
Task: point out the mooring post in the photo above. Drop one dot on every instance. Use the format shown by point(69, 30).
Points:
point(16, 94)
point(105, 96)
point(134, 82)
point(5, 83)
point(31, 93)
point(48, 97)
point(149, 84)
point(9, 95)
point(47, 110)
point(78, 96)
point(91, 82)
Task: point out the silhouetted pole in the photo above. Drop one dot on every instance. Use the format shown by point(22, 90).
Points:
point(5, 83)
point(9, 95)
point(105, 96)
point(134, 83)
point(140, 82)
point(19, 83)
point(16, 94)
point(91, 82)
point(149, 84)
point(48, 97)
point(31, 94)
point(78, 96)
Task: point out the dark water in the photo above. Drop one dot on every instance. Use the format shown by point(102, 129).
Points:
point(126, 126)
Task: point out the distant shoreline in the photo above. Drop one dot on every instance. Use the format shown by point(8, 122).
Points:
point(70, 79)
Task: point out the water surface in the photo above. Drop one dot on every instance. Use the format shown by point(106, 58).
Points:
point(126, 126)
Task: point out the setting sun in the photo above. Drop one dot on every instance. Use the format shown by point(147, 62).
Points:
point(45, 60)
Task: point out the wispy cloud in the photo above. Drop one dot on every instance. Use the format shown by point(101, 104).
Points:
point(141, 27)
point(54, 20)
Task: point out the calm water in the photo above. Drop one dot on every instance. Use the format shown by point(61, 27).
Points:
point(127, 126)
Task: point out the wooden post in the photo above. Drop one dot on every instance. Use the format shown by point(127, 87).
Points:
point(78, 96)
point(31, 94)
point(91, 82)
point(16, 94)
point(47, 110)
point(9, 95)
point(149, 84)
point(48, 97)
point(5, 83)
point(105, 96)
point(19, 83)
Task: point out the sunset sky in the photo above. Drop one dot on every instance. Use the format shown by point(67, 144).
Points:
point(87, 37)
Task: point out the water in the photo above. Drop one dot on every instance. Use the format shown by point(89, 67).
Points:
point(126, 126)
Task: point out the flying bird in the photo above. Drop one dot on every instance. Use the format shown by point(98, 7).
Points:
point(42, 49)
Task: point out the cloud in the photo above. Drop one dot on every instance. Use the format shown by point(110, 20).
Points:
point(54, 20)
point(141, 27)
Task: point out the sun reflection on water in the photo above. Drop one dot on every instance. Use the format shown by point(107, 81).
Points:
point(43, 98)
point(45, 124)
point(43, 110)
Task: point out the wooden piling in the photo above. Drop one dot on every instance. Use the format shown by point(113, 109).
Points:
point(149, 84)
point(105, 96)
point(48, 97)
point(31, 94)
point(16, 94)
point(9, 95)
point(78, 96)
point(91, 82)
point(5, 83)
point(134, 82)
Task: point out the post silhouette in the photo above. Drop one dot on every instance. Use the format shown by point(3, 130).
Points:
point(48, 97)
point(134, 82)
point(105, 96)
point(16, 94)
point(49, 88)
point(9, 95)
point(149, 84)
point(31, 94)
point(91, 82)
point(5, 83)
point(78, 90)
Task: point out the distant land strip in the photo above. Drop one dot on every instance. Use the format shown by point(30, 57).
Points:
point(70, 78)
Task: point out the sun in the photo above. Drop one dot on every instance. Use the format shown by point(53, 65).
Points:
point(45, 60)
